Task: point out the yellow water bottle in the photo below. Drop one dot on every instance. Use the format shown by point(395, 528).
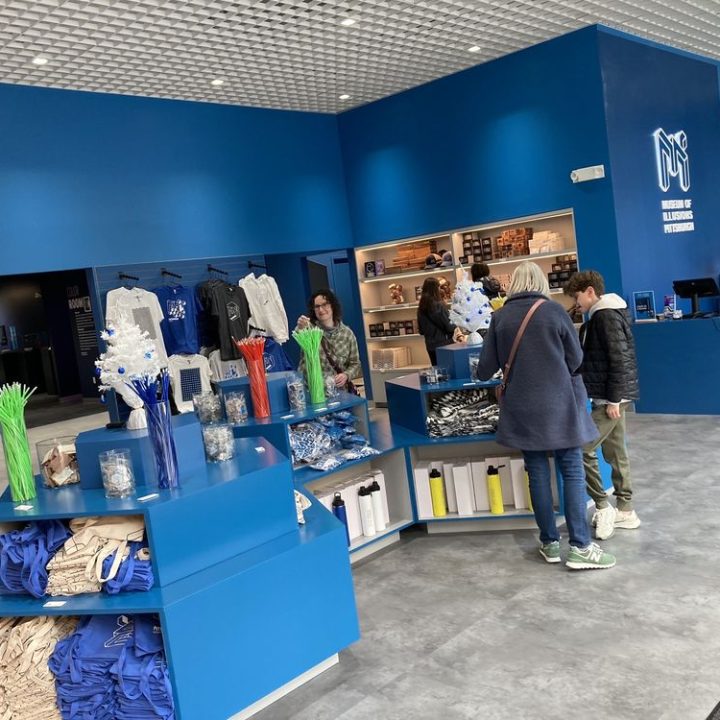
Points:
point(527, 490)
point(495, 490)
point(437, 494)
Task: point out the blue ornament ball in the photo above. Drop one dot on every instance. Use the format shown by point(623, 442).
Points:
point(121, 370)
point(110, 331)
point(148, 355)
point(103, 399)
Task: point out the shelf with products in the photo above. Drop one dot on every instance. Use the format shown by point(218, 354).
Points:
point(399, 275)
point(389, 470)
point(550, 236)
point(227, 551)
point(391, 308)
point(277, 427)
point(396, 338)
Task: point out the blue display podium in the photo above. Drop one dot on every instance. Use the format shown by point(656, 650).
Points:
point(455, 359)
point(188, 444)
point(277, 391)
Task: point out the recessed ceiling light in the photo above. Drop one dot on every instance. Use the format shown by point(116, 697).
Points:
point(344, 96)
point(217, 82)
point(39, 60)
point(474, 48)
point(347, 22)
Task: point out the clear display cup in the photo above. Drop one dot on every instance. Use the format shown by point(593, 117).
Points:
point(236, 411)
point(331, 389)
point(219, 442)
point(296, 392)
point(117, 473)
point(208, 407)
point(57, 461)
point(473, 361)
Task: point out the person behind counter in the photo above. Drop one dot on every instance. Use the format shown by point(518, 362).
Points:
point(339, 354)
point(480, 273)
point(544, 408)
point(434, 319)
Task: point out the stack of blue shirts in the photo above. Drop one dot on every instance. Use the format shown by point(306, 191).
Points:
point(143, 688)
point(135, 571)
point(81, 665)
point(25, 553)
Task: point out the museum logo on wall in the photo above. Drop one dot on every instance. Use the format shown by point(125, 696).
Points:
point(673, 174)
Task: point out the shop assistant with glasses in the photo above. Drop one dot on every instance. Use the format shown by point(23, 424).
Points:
point(339, 354)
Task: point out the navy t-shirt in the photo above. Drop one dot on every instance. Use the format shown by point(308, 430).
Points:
point(180, 327)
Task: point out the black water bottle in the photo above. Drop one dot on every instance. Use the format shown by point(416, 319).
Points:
point(339, 511)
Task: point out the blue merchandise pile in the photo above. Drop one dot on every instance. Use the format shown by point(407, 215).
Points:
point(461, 412)
point(135, 571)
point(25, 553)
point(113, 668)
point(329, 441)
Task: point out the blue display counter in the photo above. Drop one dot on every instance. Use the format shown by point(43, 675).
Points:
point(248, 600)
point(679, 366)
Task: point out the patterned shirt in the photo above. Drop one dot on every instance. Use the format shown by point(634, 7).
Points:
point(344, 349)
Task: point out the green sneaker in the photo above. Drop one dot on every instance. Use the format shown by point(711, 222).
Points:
point(593, 557)
point(551, 552)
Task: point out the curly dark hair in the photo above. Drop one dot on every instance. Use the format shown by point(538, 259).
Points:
point(581, 281)
point(478, 271)
point(330, 296)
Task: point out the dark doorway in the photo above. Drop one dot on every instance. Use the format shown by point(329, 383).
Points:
point(48, 341)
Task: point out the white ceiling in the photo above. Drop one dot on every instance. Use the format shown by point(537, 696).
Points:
point(297, 54)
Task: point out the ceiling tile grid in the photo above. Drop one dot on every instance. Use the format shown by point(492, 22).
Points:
point(304, 54)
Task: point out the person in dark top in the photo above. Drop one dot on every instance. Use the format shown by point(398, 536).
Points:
point(609, 371)
point(480, 273)
point(544, 409)
point(434, 319)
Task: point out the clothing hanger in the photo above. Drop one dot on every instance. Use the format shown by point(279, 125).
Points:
point(124, 276)
point(167, 274)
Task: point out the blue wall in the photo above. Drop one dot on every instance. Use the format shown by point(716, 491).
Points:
point(647, 88)
point(494, 142)
point(93, 179)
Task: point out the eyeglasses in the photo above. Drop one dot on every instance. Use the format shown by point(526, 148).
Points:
point(322, 306)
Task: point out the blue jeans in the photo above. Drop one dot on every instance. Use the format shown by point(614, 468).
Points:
point(569, 463)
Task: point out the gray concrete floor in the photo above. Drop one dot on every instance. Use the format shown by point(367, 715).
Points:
point(477, 627)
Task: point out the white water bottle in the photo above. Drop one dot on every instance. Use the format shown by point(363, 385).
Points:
point(377, 505)
point(366, 512)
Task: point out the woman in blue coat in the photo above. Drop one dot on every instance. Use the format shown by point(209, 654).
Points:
point(544, 409)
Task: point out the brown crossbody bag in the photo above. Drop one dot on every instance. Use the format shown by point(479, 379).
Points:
point(500, 389)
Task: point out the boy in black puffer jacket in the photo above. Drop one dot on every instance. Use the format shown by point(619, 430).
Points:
point(609, 371)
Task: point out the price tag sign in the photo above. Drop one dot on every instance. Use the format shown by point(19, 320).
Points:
point(147, 498)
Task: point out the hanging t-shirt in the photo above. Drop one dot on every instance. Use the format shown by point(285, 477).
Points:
point(275, 358)
point(140, 307)
point(226, 369)
point(189, 375)
point(179, 328)
point(266, 306)
point(229, 306)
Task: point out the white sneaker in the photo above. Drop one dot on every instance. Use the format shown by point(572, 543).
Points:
point(626, 519)
point(604, 522)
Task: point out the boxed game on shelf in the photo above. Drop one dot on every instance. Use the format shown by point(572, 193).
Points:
point(390, 358)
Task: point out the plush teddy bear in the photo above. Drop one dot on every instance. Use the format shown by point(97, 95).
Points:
point(396, 293)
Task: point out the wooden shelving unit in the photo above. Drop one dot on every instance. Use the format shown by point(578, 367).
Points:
point(375, 293)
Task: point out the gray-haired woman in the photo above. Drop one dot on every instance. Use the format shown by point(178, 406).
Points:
point(544, 409)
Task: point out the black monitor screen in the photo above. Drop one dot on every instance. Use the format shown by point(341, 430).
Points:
point(701, 287)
